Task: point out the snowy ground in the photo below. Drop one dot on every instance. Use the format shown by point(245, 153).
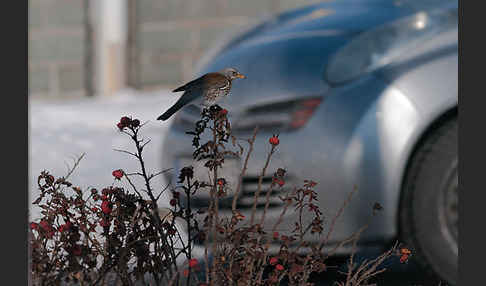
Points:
point(61, 130)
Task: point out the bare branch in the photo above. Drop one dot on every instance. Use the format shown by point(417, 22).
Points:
point(76, 163)
point(243, 171)
point(124, 151)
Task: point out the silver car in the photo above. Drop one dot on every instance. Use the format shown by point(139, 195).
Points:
point(362, 93)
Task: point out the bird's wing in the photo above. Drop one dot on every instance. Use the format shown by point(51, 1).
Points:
point(207, 81)
point(215, 80)
point(187, 85)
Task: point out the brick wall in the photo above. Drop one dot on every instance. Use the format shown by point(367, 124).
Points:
point(173, 34)
point(56, 47)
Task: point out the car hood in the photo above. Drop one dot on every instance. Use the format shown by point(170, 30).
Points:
point(285, 56)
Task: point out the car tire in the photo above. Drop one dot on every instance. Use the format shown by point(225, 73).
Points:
point(429, 209)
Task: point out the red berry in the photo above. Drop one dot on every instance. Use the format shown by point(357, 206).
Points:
point(120, 125)
point(274, 140)
point(185, 272)
point(405, 251)
point(173, 202)
point(275, 234)
point(193, 262)
point(273, 261)
point(94, 209)
point(67, 226)
point(104, 197)
point(220, 182)
point(118, 174)
point(44, 224)
point(223, 112)
point(238, 215)
point(34, 225)
point(125, 120)
point(106, 207)
point(279, 267)
point(403, 258)
point(47, 228)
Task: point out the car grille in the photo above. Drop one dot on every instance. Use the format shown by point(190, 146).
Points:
point(250, 188)
point(246, 198)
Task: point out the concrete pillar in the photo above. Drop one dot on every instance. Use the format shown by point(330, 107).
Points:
point(110, 41)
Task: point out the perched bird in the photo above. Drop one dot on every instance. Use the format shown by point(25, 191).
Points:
point(210, 88)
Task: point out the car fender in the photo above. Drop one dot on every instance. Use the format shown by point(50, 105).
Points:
point(401, 116)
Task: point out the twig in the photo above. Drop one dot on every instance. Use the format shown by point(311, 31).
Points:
point(133, 186)
point(260, 179)
point(127, 152)
point(159, 173)
point(214, 198)
point(76, 163)
point(161, 192)
point(188, 222)
point(267, 203)
point(245, 167)
point(367, 269)
point(334, 219)
point(277, 223)
point(143, 145)
point(331, 228)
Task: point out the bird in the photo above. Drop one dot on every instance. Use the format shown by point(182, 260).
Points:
point(210, 88)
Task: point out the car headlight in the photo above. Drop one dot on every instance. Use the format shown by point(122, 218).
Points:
point(378, 47)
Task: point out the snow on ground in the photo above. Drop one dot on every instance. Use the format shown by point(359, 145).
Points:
point(61, 130)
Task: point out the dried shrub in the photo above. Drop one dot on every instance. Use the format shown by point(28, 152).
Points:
point(121, 235)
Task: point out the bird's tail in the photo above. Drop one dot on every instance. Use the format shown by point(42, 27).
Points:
point(180, 88)
point(173, 109)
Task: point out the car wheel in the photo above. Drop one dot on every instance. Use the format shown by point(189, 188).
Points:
point(429, 204)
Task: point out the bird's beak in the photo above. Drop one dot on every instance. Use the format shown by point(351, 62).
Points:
point(240, 75)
